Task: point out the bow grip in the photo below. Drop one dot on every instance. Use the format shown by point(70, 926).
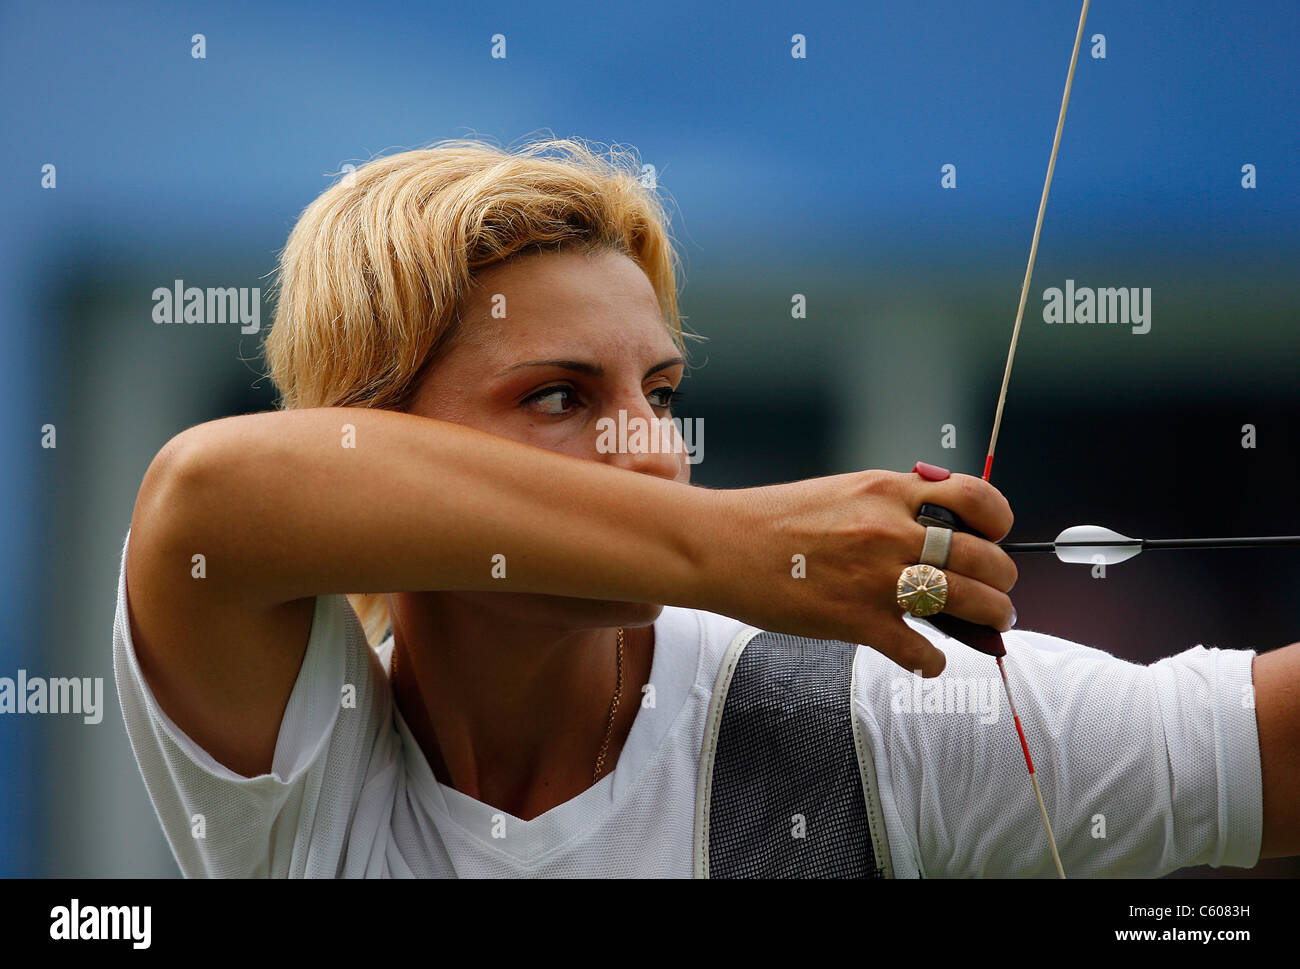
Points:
point(985, 639)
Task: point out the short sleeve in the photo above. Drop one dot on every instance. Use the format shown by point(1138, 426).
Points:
point(1143, 769)
point(292, 822)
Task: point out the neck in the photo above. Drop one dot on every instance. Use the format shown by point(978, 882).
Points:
point(507, 711)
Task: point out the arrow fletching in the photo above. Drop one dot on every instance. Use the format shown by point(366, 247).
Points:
point(1089, 544)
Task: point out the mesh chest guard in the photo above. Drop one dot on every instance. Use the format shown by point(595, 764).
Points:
point(787, 787)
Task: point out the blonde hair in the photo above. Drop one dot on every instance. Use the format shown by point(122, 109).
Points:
point(371, 281)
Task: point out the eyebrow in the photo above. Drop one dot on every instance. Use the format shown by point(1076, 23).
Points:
point(590, 369)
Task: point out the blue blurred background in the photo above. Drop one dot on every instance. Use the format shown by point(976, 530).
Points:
point(817, 176)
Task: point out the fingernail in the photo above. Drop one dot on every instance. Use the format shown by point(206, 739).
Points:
point(931, 472)
point(1013, 617)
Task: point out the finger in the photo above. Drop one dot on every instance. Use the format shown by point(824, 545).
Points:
point(909, 649)
point(980, 504)
point(977, 558)
point(976, 602)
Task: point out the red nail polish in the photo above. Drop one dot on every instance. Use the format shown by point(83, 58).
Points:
point(931, 472)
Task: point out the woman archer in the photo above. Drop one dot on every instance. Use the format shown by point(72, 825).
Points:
point(418, 623)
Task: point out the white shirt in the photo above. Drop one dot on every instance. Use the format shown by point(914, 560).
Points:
point(1143, 769)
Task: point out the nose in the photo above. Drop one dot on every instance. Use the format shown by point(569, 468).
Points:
point(632, 435)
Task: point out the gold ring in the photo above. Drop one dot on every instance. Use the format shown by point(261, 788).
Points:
point(922, 590)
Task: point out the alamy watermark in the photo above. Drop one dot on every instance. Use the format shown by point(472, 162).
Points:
point(75, 922)
point(1118, 305)
point(82, 695)
point(662, 435)
point(190, 304)
point(964, 695)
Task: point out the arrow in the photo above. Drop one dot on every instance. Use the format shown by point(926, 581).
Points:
point(1083, 544)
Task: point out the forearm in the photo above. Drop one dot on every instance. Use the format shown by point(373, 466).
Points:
point(282, 510)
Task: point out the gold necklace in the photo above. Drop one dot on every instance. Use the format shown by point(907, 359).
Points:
point(613, 707)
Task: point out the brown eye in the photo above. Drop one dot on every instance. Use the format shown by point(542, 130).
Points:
point(665, 396)
point(552, 400)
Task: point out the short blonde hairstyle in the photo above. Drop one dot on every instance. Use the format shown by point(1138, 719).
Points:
point(372, 279)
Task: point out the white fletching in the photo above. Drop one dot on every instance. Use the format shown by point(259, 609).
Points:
point(1111, 548)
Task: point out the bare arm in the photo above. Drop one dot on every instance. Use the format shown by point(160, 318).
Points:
point(1277, 712)
point(417, 504)
point(282, 512)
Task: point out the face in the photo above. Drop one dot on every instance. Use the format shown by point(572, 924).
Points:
point(550, 344)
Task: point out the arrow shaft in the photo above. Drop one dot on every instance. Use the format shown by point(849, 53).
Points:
point(1254, 541)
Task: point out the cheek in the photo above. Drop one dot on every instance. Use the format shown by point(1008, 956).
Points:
point(456, 411)
point(441, 400)
point(572, 437)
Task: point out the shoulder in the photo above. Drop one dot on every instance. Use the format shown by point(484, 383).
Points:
point(700, 638)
